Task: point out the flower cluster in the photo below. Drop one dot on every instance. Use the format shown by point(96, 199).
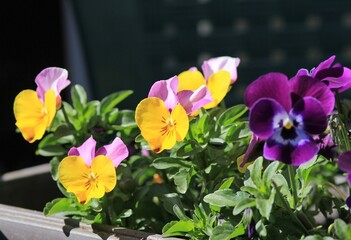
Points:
point(183, 164)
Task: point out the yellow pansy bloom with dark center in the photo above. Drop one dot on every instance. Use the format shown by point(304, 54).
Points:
point(159, 126)
point(87, 182)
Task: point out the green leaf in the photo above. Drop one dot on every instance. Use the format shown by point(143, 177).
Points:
point(63, 207)
point(227, 231)
point(54, 163)
point(265, 205)
point(256, 171)
point(169, 162)
point(243, 204)
point(189, 148)
point(227, 183)
point(232, 114)
point(79, 98)
point(342, 230)
point(110, 101)
point(169, 200)
point(268, 174)
point(225, 198)
point(182, 179)
point(177, 228)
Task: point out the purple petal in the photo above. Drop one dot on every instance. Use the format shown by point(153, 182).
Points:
point(194, 100)
point(304, 86)
point(271, 85)
point(341, 82)
point(51, 78)
point(166, 90)
point(323, 65)
point(214, 65)
point(117, 151)
point(255, 142)
point(310, 114)
point(86, 150)
point(266, 115)
point(344, 162)
point(294, 151)
point(348, 202)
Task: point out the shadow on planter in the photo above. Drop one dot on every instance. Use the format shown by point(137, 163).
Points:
point(29, 188)
point(23, 195)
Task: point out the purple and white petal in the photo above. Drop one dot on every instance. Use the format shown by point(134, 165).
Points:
point(117, 151)
point(226, 63)
point(86, 150)
point(265, 116)
point(308, 114)
point(194, 100)
point(166, 90)
point(51, 78)
point(304, 86)
point(294, 151)
point(271, 85)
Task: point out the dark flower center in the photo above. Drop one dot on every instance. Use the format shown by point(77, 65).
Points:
point(288, 132)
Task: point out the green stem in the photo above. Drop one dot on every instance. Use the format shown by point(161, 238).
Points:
point(336, 189)
point(65, 116)
point(287, 207)
point(341, 126)
point(291, 172)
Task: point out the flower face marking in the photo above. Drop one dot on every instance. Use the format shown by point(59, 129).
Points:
point(88, 174)
point(161, 127)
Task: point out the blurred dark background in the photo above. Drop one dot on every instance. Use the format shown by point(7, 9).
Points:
point(129, 44)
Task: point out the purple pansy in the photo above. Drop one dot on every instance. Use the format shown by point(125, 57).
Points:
point(286, 117)
point(334, 75)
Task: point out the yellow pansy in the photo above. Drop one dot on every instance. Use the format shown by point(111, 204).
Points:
point(33, 116)
point(87, 182)
point(159, 126)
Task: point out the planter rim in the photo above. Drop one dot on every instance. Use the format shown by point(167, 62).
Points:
point(20, 223)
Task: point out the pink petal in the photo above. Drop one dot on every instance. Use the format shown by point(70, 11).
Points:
point(194, 100)
point(214, 65)
point(51, 78)
point(117, 151)
point(166, 90)
point(86, 151)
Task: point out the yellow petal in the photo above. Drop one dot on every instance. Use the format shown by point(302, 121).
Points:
point(105, 172)
point(181, 122)
point(158, 126)
point(190, 80)
point(218, 84)
point(73, 174)
point(32, 117)
point(87, 182)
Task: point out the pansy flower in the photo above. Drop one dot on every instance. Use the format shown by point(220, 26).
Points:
point(35, 110)
point(334, 75)
point(163, 117)
point(286, 118)
point(89, 174)
point(218, 74)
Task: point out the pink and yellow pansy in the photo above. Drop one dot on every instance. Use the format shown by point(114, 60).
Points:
point(89, 174)
point(218, 74)
point(35, 110)
point(163, 117)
